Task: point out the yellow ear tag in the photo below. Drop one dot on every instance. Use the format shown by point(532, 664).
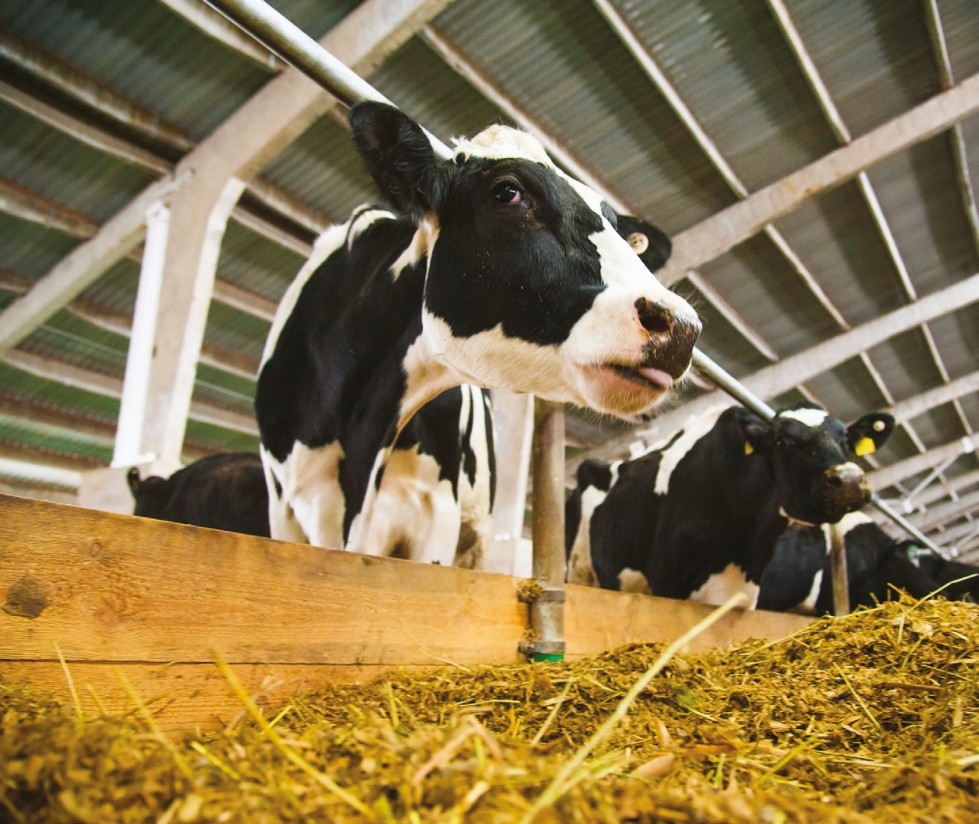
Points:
point(748, 448)
point(865, 446)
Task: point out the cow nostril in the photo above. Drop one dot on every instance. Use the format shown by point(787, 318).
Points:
point(654, 317)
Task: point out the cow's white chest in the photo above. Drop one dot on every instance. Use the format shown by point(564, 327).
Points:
point(722, 585)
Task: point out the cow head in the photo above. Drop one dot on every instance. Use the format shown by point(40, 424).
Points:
point(148, 493)
point(813, 457)
point(529, 284)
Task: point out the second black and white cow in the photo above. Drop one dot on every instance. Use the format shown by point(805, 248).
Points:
point(498, 271)
point(225, 491)
point(697, 517)
point(799, 579)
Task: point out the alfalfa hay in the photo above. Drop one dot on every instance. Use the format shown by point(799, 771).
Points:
point(869, 718)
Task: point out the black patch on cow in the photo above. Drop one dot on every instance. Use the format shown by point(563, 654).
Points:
point(800, 554)
point(539, 249)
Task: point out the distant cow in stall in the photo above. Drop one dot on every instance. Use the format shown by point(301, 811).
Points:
point(500, 271)
point(799, 578)
point(958, 580)
point(225, 491)
point(697, 516)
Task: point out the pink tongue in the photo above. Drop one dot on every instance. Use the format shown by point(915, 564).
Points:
point(657, 376)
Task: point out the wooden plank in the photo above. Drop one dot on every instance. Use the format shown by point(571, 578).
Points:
point(181, 697)
point(599, 619)
point(109, 587)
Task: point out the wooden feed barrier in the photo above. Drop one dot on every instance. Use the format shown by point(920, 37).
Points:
point(155, 603)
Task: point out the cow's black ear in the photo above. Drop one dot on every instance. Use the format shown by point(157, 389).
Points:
point(754, 430)
point(397, 154)
point(651, 243)
point(132, 478)
point(869, 433)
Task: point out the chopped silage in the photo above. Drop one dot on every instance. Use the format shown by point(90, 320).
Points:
point(872, 717)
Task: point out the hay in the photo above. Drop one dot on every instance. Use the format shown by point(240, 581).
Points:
point(871, 717)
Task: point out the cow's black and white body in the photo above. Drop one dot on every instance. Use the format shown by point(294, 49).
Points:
point(224, 491)
point(697, 516)
point(799, 578)
point(498, 271)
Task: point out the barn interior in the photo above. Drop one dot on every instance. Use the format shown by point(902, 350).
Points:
point(857, 291)
point(163, 177)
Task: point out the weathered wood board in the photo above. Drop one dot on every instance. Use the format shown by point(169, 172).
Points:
point(157, 602)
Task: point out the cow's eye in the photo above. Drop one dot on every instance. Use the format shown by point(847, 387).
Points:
point(509, 193)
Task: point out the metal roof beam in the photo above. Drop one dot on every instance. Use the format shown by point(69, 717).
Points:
point(953, 485)
point(721, 232)
point(955, 534)
point(774, 380)
point(118, 109)
point(936, 33)
point(219, 28)
point(32, 207)
point(109, 387)
point(99, 139)
point(40, 473)
point(945, 512)
point(919, 404)
point(909, 467)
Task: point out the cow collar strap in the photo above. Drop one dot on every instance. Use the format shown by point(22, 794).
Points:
point(794, 521)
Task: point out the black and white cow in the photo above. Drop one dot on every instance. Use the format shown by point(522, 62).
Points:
point(498, 271)
point(226, 491)
point(799, 579)
point(957, 580)
point(697, 516)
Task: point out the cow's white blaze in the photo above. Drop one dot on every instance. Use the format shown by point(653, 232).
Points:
point(807, 416)
point(671, 457)
point(722, 585)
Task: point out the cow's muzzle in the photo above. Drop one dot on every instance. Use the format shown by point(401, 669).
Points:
point(845, 489)
point(671, 337)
